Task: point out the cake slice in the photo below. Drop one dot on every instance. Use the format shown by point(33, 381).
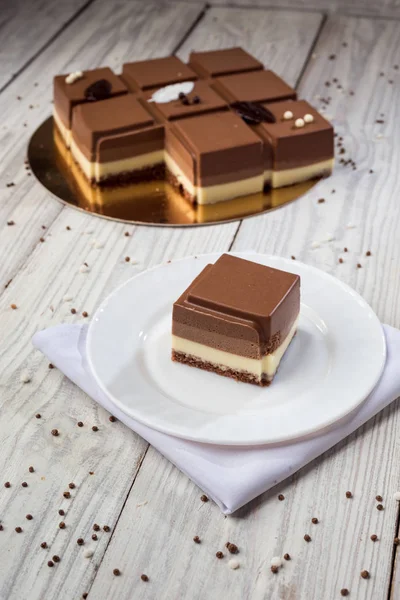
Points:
point(237, 319)
point(255, 86)
point(214, 157)
point(216, 63)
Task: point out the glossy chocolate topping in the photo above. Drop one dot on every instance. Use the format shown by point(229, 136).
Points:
point(238, 306)
point(157, 72)
point(257, 86)
point(68, 95)
point(223, 62)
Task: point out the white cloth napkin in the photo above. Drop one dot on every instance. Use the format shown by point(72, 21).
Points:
point(232, 476)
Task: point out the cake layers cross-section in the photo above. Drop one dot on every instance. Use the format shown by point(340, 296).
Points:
point(237, 319)
point(201, 125)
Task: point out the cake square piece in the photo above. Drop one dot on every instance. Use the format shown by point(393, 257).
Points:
point(200, 100)
point(214, 157)
point(298, 146)
point(77, 88)
point(256, 86)
point(223, 62)
point(117, 141)
point(156, 72)
point(237, 318)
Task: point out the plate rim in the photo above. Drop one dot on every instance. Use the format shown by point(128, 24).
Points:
point(249, 254)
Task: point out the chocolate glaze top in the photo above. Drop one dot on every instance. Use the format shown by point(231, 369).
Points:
point(156, 72)
point(68, 95)
point(256, 86)
point(223, 62)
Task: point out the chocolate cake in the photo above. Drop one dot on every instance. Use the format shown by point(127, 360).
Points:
point(237, 319)
point(215, 128)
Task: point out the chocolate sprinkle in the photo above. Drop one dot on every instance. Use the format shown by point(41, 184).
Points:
point(61, 512)
point(181, 96)
point(219, 554)
point(7, 484)
point(307, 538)
point(204, 498)
point(106, 528)
point(73, 311)
point(61, 525)
point(116, 572)
point(364, 574)
point(378, 498)
point(253, 113)
point(196, 100)
point(196, 539)
point(31, 469)
point(95, 428)
point(80, 424)
point(281, 497)
point(54, 432)
point(71, 486)
point(94, 537)
point(18, 529)
point(24, 484)
point(96, 527)
point(286, 556)
point(43, 545)
point(374, 537)
point(80, 541)
point(396, 541)
point(29, 517)
point(344, 592)
point(274, 569)
point(144, 577)
point(314, 520)
point(99, 90)
point(67, 494)
point(112, 418)
point(349, 494)
point(50, 563)
point(185, 101)
point(232, 548)
point(56, 558)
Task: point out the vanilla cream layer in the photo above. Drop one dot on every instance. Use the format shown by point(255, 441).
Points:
point(266, 366)
point(216, 193)
point(290, 176)
point(267, 176)
point(98, 171)
point(65, 132)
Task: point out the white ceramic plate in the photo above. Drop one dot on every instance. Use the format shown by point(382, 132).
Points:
point(332, 365)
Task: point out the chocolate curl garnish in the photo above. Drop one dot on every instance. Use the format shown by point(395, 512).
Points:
point(99, 90)
point(253, 113)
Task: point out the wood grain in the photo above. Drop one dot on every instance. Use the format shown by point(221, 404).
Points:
point(106, 33)
point(26, 29)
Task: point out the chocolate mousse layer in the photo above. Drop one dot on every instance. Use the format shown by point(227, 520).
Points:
point(239, 307)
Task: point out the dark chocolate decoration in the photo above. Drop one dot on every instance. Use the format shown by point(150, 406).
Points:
point(253, 113)
point(185, 101)
point(181, 96)
point(99, 90)
point(196, 100)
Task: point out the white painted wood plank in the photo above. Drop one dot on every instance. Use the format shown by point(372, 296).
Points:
point(370, 8)
point(107, 33)
point(25, 29)
point(366, 462)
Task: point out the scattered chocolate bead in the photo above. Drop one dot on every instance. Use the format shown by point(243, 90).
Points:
point(116, 572)
point(13, 306)
point(29, 517)
point(54, 432)
point(127, 234)
point(56, 558)
point(196, 539)
point(274, 569)
point(341, 260)
point(307, 538)
point(374, 537)
point(31, 470)
point(379, 121)
point(396, 541)
point(7, 484)
point(286, 556)
point(112, 418)
point(106, 528)
point(61, 525)
point(293, 257)
point(196, 100)
point(281, 497)
point(96, 527)
point(345, 250)
point(71, 486)
point(321, 200)
point(204, 498)
point(24, 484)
point(127, 258)
point(91, 472)
point(10, 223)
point(50, 563)
point(67, 495)
point(18, 529)
point(1, 527)
point(61, 512)
point(219, 554)
point(332, 56)
point(80, 424)
point(94, 537)
point(379, 507)
point(364, 574)
point(344, 592)
point(349, 495)
point(232, 548)
point(359, 266)
point(378, 498)
point(95, 428)
point(73, 311)
point(51, 366)
point(144, 577)
point(368, 253)
point(41, 240)
point(84, 595)
point(85, 314)
point(43, 545)
point(80, 541)
point(314, 520)
point(11, 184)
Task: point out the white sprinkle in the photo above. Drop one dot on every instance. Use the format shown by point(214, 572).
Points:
point(233, 563)
point(396, 496)
point(379, 136)
point(314, 55)
point(329, 238)
point(315, 245)
point(88, 231)
point(72, 77)
point(308, 118)
point(299, 123)
point(96, 244)
point(171, 92)
point(276, 561)
point(350, 226)
point(142, 504)
point(88, 553)
point(287, 115)
point(67, 298)
point(83, 269)
point(24, 377)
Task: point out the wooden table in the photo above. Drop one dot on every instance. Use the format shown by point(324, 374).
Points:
point(152, 509)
